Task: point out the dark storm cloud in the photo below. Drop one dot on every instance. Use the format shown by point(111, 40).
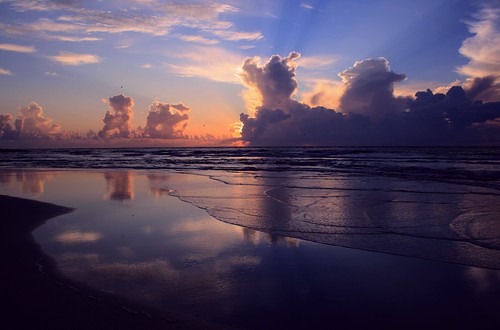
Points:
point(484, 89)
point(455, 108)
point(166, 121)
point(370, 113)
point(117, 122)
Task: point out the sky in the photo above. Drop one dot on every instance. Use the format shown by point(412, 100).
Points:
point(277, 72)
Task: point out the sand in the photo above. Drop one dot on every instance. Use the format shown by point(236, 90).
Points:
point(36, 295)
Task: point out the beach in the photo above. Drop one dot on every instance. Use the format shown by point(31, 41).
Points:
point(200, 247)
point(36, 295)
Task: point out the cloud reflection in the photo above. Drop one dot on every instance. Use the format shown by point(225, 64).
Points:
point(29, 182)
point(75, 237)
point(120, 185)
point(157, 184)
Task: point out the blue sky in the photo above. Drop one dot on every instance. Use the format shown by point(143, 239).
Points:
point(70, 57)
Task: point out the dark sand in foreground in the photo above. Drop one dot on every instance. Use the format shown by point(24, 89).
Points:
point(36, 296)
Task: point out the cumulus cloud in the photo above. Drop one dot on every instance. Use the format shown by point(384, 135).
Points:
point(166, 121)
point(5, 126)
point(32, 123)
point(369, 113)
point(483, 51)
point(274, 80)
point(324, 92)
point(67, 58)
point(369, 88)
point(117, 122)
point(483, 48)
point(483, 89)
point(29, 124)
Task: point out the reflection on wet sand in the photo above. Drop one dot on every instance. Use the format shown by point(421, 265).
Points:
point(441, 221)
point(158, 184)
point(30, 182)
point(120, 185)
point(255, 237)
point(158, 249)
point(75, 237)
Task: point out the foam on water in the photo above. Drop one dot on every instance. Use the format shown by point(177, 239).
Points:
point(437, 221)
point(433, 203)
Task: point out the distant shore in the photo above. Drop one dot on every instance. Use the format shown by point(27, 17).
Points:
point(37, 296)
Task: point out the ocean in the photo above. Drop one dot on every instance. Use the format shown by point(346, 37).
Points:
point(270, 237)
point(469, 165)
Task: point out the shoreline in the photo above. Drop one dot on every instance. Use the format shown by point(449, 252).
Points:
point(38, 296)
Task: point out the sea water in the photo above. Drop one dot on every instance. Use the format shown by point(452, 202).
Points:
point(249, 237)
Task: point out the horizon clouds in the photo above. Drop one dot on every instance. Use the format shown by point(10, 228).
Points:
point(369, 113)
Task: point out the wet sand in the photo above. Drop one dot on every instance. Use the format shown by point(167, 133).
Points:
point(36, 296)
point(235, 276)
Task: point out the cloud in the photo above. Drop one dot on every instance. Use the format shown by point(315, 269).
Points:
point(37, 5)
point(197, 39)
point(274, 80)
point(73, 39)
point(485, 89)
point(76, 21)
point(324, 92)
point(29, 124)
point(5, 72)
point(455, 108)
point(369, 88)
point(6, 129)
point(166, 121)
point(50, 73)
point(483, 48)
point(211, 63)
point(237, 36)
point(117, 122)
point(67, 58)
point(306, 6)
point(17, 48)
point(315, 62)
point(48, 25)
point(246, 47)
point(369, 114)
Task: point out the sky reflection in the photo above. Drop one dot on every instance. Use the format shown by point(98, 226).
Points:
point(161, 250)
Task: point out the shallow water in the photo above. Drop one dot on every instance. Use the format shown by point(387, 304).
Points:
point(238, 248)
